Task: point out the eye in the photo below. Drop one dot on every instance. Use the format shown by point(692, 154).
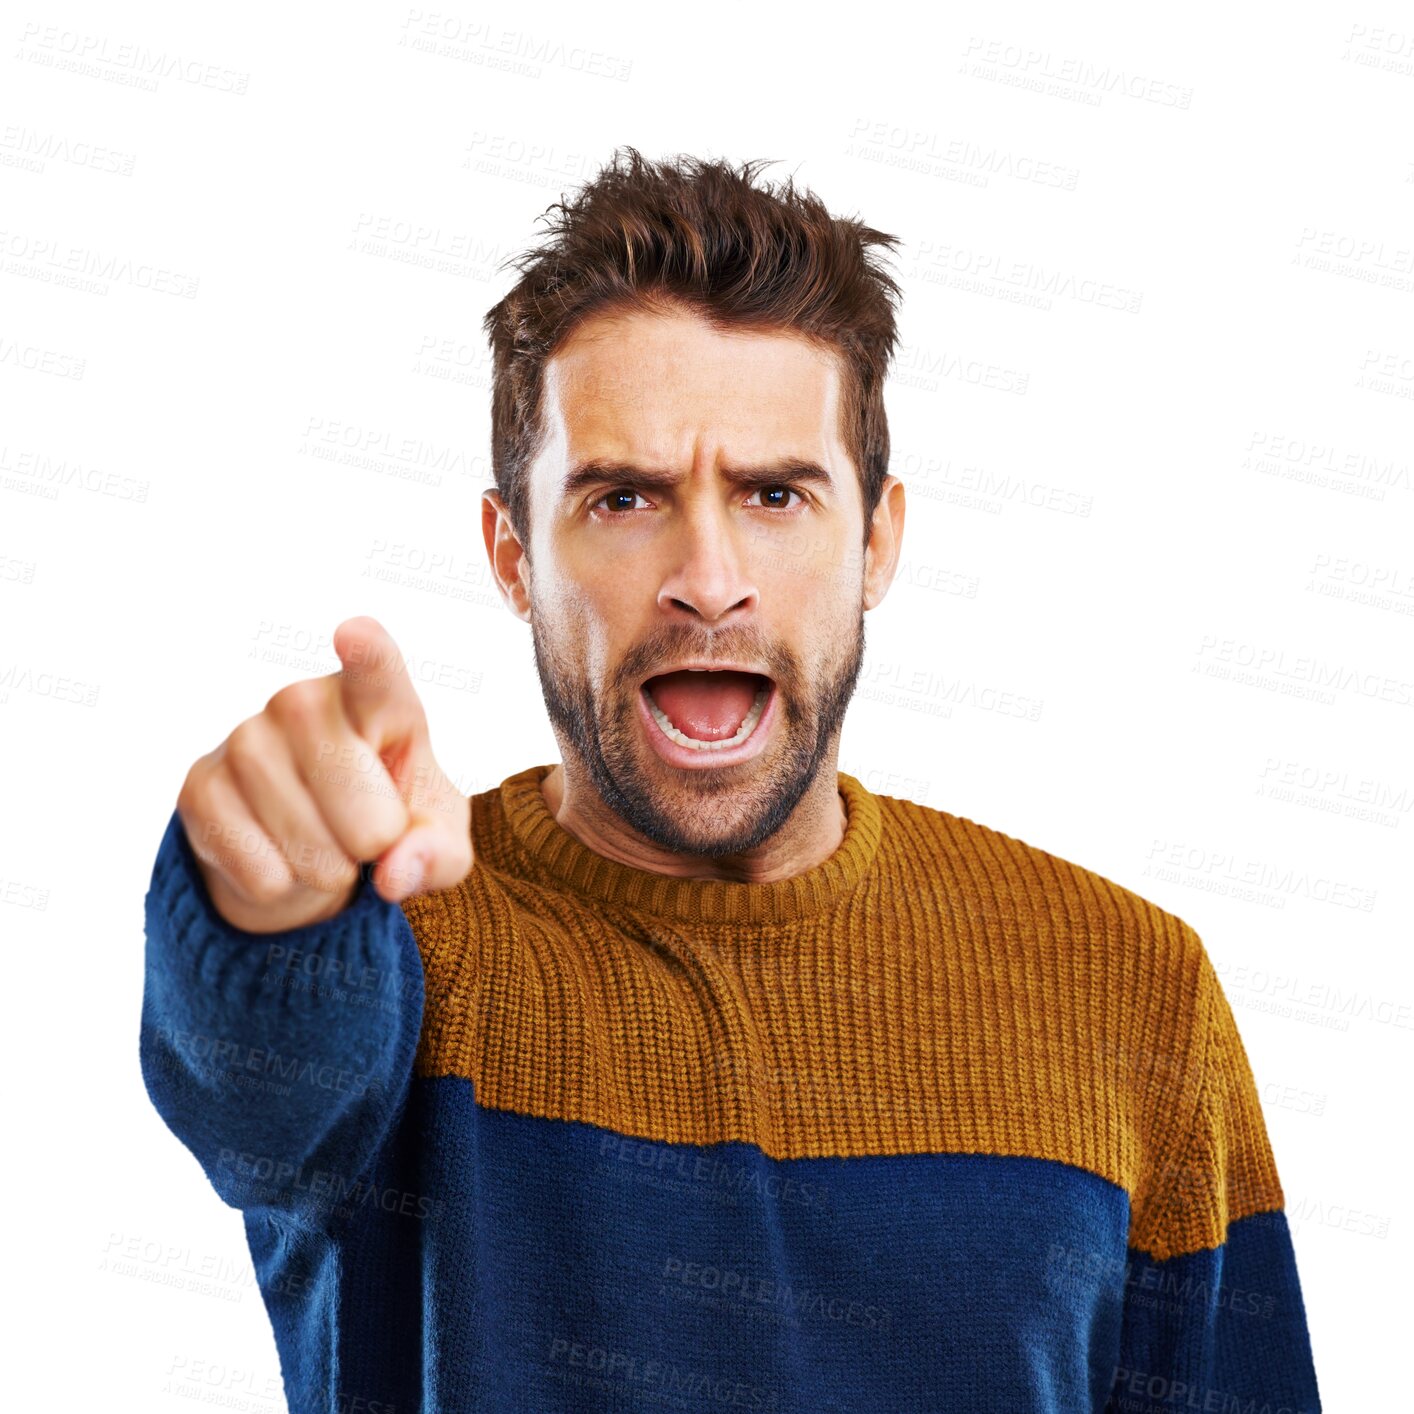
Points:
point(770, 490)
point(627, 493)
point(619, 492)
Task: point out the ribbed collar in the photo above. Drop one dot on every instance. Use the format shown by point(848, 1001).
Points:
point(558, 854)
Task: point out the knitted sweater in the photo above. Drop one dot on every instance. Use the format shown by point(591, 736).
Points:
point(943, 1123)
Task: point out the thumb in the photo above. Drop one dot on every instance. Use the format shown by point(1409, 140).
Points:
point(435, 852)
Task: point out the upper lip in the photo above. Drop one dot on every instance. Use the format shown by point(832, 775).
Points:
point(710, 667)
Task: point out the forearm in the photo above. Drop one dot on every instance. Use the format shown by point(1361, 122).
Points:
point(278, 1059)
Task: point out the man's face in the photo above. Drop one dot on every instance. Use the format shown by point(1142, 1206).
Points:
point(663, 558)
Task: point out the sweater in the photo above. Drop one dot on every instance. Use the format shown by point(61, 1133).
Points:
point(943, 1123)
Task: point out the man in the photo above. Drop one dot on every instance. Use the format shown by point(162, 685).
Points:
point(688, 1072)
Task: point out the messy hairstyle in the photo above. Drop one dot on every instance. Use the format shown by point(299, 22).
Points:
point(699, 234)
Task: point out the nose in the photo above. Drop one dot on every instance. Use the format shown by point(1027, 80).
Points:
point(708, 577)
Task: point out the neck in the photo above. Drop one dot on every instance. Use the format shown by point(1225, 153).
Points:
point(814, 832)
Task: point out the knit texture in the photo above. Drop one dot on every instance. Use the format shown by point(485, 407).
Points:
point(943, 1122)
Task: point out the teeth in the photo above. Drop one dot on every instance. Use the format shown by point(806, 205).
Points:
point(748, 724)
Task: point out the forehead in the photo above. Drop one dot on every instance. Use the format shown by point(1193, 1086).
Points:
point(658, 385)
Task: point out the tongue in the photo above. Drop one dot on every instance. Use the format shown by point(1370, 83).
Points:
point(705, 706)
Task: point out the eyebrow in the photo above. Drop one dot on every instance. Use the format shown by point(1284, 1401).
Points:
point(601, 471)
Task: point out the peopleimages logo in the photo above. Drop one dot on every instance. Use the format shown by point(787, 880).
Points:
point(1067, 76)
point(279, 1179)
point(1138, 1392)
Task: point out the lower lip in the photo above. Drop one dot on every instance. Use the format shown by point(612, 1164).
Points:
point(687, 758)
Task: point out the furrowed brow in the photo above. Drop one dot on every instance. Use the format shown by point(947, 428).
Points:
point(605, 471)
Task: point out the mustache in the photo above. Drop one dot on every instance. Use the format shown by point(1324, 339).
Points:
point(661, 651)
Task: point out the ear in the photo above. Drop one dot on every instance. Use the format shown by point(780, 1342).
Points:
point(510, 566)
point(881, 554)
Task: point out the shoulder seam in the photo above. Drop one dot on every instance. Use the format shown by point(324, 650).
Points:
point(1174, 1163)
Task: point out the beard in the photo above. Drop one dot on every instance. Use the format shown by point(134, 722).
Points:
point(711, 813)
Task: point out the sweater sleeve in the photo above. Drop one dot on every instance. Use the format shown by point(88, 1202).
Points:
point(280, 1060)
point(1213, 1313)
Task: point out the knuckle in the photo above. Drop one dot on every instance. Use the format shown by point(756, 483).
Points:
point(247, 857)
point(298, 703)
point(255, 869)
point(328, 872)
point(193, 795)
point(199, 807)
point(244, 743)
point(266, 881)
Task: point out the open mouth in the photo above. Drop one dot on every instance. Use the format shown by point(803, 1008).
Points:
point(707, 709)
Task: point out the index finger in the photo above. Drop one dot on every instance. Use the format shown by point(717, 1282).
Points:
point(378, 697)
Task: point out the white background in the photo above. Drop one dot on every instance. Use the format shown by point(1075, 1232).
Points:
point(1153, 413)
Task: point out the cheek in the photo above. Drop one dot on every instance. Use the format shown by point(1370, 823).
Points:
point(804, 551)
point(812, 592)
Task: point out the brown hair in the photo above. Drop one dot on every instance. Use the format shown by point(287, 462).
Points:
point(699, 233)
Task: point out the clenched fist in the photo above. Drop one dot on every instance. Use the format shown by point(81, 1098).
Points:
point(335, 771)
